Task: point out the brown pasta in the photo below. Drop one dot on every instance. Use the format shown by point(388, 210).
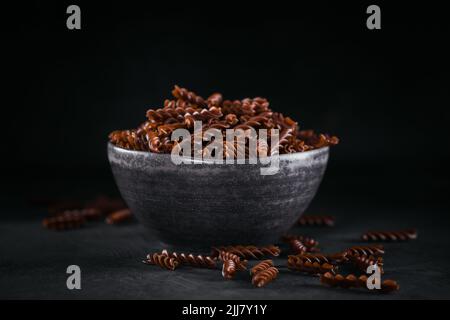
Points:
point(263, 265)
point(228, 269)
point(373, 250)
point(192, 260)
point(65, 221)
point(363, 262)
point(297, 246)
point(309, 220)
point(215, 99)
point(389, 286)
point(335, 258)
point(119, 216)
point(400, 235)
point(351, 281)
point(251, 252)
point(162, 260)
point(165, 115)
point(264, 277)
point(188, 96)
point(178, 105)
point(71, 214)
point(130, 139)
point(309, 242)
point(339, 280)
point(304, 265)
point(217, 113)
point(225, 255)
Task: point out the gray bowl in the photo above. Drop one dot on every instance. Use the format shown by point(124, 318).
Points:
point(202, 205)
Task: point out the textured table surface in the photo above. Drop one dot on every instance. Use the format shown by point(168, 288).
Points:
point(33, 261)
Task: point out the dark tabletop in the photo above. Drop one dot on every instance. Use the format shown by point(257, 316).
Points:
point(33, 260)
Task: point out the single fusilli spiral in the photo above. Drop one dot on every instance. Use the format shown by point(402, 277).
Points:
point(264, 277)
point(263, 265)
point(363, 262)
point(307, 241)
point(373, 250)
point(252, 252)
point(162, 260)
point(228, 269)
point(192, 260)
point(299, 264)
point(335, 258)
point(351, 281)
point(186, 95)
point(400, 235)
point(297, 246)
point(225, 255)
point(119, 216)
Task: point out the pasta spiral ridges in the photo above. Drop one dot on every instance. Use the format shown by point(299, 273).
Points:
point(264, 277)
point(263, 265)
point(374, 250)
point(225, 255)
point(363, 262)
point(192, 260)
point(400, 235)
point(299, 264)
point(162, 260)
point(351, 281)
point(228, 269)
point(252, 252)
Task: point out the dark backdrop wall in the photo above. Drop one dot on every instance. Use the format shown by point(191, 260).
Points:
point(383, 92)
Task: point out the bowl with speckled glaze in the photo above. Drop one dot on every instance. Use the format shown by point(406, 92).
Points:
point(202, 205)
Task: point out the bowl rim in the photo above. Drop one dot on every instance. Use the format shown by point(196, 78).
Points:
point(285, 156)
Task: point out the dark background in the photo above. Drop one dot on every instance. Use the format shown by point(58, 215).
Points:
point(383, 92)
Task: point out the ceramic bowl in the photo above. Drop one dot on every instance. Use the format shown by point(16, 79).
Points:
point(202, 205)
